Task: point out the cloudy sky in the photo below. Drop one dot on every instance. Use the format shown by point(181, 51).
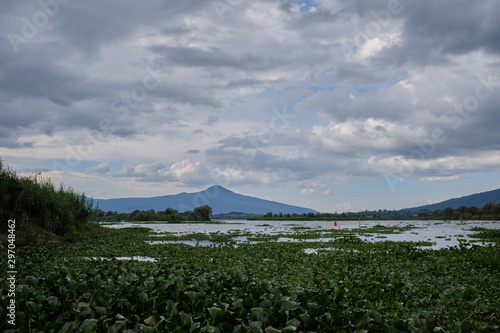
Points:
point(333, 105)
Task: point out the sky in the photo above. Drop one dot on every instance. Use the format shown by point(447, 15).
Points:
point(332, 105)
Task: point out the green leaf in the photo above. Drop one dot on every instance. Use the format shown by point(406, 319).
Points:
point(186, 319)
point(293, 323)
point(151, 320)
point(338, 293)
point(194, 327)
point(375, 315)
point(143, 297)
point(149, 284)
point(32, 280)
point(211, 329)
point(83, 308)
point(88, 326)
point(54, 303)
point(120, 317)
point(238, 304)
point(359, 330)
point(101, 310)
point(271, 329)
point(288, 305)
point(214, 312)
point(256, 314)
point(68, 325)
point(193, 296)
point(365, 321)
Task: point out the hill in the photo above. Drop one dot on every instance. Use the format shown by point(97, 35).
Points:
point(477, 200)
point(219, 198)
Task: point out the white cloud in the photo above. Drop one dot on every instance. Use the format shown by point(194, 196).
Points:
point(314, 188)
point(439, 179)
point(365, 135)
point(101, 169)
point(344, 207)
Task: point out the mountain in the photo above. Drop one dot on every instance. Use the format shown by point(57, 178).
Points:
point(219, 198)
point(477, 200)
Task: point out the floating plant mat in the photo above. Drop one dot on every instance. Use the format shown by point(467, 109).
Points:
point(269, 286)
point(438, 234)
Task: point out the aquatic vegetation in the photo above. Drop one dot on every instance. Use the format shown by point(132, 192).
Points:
point(348, 285)
point(486, 234)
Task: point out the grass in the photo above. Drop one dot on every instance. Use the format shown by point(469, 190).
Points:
point(39, 209)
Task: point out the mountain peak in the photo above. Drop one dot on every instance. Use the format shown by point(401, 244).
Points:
point(217, 187)
point(218, 197)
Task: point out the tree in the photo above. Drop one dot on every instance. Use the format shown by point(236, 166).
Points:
point(203, 212)
point(495, 211)
point(448, 213)
point(134, 214)
point(487, 208)
point(170, 211)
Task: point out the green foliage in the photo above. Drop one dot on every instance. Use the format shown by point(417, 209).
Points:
point(36, 204)
point(380, 287)
point(490, 211)
point(201, 213)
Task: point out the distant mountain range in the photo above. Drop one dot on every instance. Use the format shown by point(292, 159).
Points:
point(477, 200)
point(219, 198)
point(224, 201)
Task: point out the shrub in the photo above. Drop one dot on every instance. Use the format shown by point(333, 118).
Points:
point(34, 203)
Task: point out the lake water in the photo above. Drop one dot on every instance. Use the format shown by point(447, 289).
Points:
point(441, 234)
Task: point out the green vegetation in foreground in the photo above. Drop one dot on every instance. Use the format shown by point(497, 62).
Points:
point(40, 210)
point(263, 287)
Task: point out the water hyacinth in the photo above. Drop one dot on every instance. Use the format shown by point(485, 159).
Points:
point(376, 287)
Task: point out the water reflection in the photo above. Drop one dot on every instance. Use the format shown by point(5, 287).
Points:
point(440, 234)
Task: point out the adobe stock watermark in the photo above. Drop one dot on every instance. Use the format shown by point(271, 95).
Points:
point(455, 117)
point(32, 25)
point(248, 149)
point(11, 272)
point(221, 7)
point(122, 107)
point(381, 19)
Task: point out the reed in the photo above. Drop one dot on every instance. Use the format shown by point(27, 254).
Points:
point(35, 203)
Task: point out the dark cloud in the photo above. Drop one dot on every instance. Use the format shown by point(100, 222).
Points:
point(366, 82)
point(124, 132)
point(215, 57)
point(177, 30)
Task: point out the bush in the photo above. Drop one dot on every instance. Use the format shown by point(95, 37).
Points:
point(35, 203)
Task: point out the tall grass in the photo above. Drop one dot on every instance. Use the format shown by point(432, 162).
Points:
point(34, 202)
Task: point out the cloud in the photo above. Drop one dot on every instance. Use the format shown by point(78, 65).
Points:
point(355, 137)
point(100, 170)
point(152, 172)
point(439, 179)
point(317, 191)
point(366, 86)
point(344, 207)
point(184, 173)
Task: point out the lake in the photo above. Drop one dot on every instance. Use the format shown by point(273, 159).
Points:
point(439, 233)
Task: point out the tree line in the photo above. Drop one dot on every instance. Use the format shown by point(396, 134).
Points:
point(490, 211)
point(201, 213)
